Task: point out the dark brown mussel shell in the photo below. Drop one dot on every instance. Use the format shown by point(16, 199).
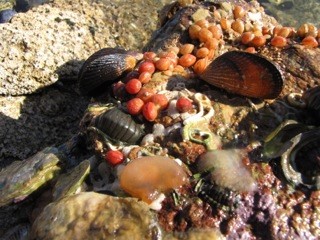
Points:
point(245, 74)
point(103, 68)
point(312, 100)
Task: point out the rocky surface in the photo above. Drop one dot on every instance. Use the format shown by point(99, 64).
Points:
point(92, 215)
point(50, 42)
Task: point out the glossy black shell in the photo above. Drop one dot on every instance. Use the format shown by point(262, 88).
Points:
point(312, 99)
point(103, 68)
point(119, 126)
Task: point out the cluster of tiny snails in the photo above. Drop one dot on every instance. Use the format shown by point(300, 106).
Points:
point(207, 37)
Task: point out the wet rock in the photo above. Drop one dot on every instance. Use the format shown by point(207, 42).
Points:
point(92, 215)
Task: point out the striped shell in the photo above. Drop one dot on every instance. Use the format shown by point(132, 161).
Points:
point(119, 126)
point(103, 68)
point(312, 99)
point(245, 74)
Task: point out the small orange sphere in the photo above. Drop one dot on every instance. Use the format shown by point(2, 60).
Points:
point(250, 50)
point(265, 30)
point(203, 23)
point(276, 30)
point(202, 52)
point(278, 41)
point(160, 100)
point(285, 32)
point(216, 31)
point(147, 66)
point(149, 55)
point(163, 64)
point(145, 94)
point(247, 37)
point(145, 77)
point(133, 86)
point(212, 44)
point(194, 31)
point(238, 26)
point(150, 111)
point(186, 48)
point(238, 12)
point(205, 35)
point(225, 24)
point(183, 104)
point(307, 29)
point(134, 106)
point(178, 69)
point(211, 54)
point(200, 65)
point(258, 41)
point(187, 60)
point(310, 41)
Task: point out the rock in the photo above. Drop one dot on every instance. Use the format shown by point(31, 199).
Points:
point(47, 42)
point(6, 4)
point(31, 123)
point(92, 215)
point(51, 41)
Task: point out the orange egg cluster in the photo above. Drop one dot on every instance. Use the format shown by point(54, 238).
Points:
point(251, 35)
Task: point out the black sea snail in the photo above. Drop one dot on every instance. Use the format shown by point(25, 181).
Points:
point(104, 67)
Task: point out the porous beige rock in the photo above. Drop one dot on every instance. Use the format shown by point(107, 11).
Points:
point(47, 42)
point(91, 215)
point(51, 41)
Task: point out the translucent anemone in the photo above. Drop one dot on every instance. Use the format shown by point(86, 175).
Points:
point(147, 177)
point(227, 169)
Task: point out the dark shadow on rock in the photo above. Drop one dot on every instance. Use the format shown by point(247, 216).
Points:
point(68, 72)
point(25, 5)
point(48, 117)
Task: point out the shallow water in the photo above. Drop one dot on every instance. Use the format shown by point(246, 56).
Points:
point(293, 12)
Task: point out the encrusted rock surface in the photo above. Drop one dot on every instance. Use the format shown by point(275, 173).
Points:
point(92, 215)
point(47, 42)
point(51, 41)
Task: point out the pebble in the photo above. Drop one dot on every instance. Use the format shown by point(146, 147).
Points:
point(6, 15)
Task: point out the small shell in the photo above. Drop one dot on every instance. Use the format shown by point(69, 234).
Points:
point(245, 74)
point(278, 141)
point(300, 163)
point(312, 99)
point(103, 68)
